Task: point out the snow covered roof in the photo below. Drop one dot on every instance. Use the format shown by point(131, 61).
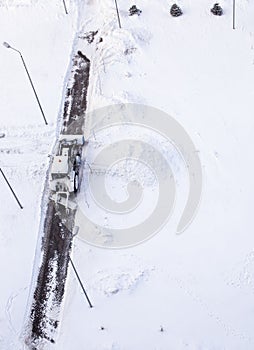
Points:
point(60, 165)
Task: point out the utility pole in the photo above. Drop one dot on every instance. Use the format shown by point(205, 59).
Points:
point(1, 171)
point(118, 16)
point(8, 46)
point(65, 8)
point(233, 14)
point(81, 284)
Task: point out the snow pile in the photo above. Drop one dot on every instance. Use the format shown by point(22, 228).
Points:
point(110, 282)
point(243, 273)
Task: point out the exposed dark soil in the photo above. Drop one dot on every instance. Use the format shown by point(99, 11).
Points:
point(59, 222)
point(75, 102)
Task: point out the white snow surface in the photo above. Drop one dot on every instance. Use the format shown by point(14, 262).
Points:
point(197, 286)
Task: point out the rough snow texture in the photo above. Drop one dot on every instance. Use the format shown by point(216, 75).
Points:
point(198, 286)
point(45, 36)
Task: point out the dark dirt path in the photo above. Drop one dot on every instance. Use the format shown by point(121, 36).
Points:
point(59, 222)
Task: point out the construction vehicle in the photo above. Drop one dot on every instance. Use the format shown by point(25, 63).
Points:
point(66, 165)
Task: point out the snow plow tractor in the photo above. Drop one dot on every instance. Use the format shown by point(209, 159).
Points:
point(66, 165)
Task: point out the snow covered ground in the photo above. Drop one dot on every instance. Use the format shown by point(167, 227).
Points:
point(197, 286)
point(44, 34)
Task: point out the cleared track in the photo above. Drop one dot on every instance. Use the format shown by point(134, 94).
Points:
point(59, 220)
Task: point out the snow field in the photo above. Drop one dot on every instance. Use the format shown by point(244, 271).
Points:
point(198, 286)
